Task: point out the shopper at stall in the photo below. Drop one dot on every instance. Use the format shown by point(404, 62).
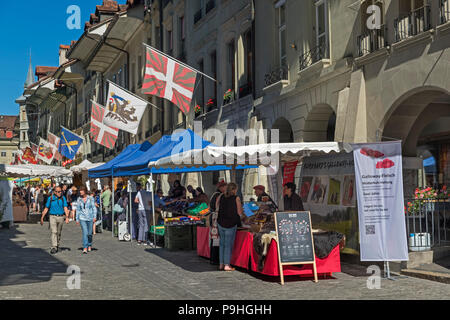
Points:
point(86, 215)
point(40, 200)
point(178, 191)
point(143, 199)
point(58, 209)
point(230, 211)
point(260, 192)
point(214, 230)
point(107, 208)
point(292, 201)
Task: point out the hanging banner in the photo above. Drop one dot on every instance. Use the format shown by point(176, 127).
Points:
point(46, 151)
point(124, 110)
point(289, 172)
point(379, 185)
point(70, 143)
point(29, 156)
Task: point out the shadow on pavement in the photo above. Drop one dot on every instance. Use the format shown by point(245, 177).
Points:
point(21, 265)
point(187, 260)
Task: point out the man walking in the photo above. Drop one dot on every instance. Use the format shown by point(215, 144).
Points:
point(58, 210)
point(143, 199)
point(106, 204)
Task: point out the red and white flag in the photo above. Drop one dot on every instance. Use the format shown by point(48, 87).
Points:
point(100, 132)
point(168, 79)
point(54, 140)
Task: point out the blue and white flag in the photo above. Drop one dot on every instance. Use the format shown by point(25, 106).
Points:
point(70, 143)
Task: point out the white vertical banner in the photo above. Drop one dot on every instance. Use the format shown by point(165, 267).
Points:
point(379, 185)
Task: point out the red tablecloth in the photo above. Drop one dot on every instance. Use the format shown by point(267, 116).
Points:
point(244, 256)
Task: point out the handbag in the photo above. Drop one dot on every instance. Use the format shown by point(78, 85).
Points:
point(117, 208)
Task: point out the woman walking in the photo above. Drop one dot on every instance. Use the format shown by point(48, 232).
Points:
point(86, 213)
point(230, 210)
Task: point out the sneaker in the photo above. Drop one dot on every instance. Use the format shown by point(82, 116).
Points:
point(145, 243)
point(53, 251)
point(139, 243)
point(85, 251)
point(89, 249)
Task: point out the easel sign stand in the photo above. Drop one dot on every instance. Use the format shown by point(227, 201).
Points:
point(295, 241)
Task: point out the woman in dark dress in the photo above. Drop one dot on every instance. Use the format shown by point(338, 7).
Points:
point(230, 211)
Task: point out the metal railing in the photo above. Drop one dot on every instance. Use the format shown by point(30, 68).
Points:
point(372, 40)
point(413, 23)
point(276, 75)
point(445, 11)
point(314, 55)
point(427, 223)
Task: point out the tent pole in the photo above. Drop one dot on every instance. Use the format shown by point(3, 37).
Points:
point(112, 198)
point(130, 213)
point(153, 209)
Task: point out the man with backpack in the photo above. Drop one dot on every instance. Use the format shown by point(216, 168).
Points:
point(59, 212)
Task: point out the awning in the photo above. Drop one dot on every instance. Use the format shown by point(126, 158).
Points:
point(259, 155)
point(179, 142)
point(85, 166)
point(42, 92)
point(106, 169)
point(119, 32)
point(30, 170)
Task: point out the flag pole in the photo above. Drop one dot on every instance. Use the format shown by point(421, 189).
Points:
point(178, 61)
point(140, 98)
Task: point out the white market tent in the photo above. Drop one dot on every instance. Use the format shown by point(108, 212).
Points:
point(32, 170)
point(86, 165)
point(261, 155)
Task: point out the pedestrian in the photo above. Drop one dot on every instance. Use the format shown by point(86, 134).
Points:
point(72, 196)
point(214, 228)
point(230, 211)
point(86, 215)
point(32, 198)
point(143, 199)
point(292, 201)
point(107, 207)
point(123, 203)
point(40, 200)
point(57, 208)
point(96, 198)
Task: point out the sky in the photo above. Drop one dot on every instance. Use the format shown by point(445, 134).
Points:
point(39, 25)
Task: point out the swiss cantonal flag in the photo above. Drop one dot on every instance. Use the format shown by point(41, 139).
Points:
point(168, 79)
point(101, 133)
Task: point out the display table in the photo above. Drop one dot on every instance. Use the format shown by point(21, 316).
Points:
point(244, 256)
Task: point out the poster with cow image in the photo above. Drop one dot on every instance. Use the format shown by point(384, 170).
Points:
point(379, 185)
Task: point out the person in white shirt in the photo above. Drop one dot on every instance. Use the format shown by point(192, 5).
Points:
point(144, 200)
point(33, 197)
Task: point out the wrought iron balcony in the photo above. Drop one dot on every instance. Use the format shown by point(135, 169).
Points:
point(372, 40)
point(198, 16)
point(445, 11)
point(276, 76)
point(413, 23)
point(314, 55)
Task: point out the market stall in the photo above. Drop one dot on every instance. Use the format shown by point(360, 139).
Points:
point(260, 232)
point(19, 208)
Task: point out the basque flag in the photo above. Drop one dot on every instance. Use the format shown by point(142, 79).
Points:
point(100, 132)
point(168, 79)
point(70, 143)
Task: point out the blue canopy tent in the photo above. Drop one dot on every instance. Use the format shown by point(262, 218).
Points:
point(167, 146)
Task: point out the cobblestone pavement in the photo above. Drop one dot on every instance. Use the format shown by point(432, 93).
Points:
point(120, 270)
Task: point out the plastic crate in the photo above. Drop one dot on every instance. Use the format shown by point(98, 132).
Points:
point(178, 238)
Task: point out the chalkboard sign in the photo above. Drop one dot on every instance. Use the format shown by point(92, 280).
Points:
point(295, 240)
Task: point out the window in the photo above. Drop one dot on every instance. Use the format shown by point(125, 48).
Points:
point(231, 74)
point(182, 29)
point(3, 154)
point(322, 41)
point(140, 71)
point(249, 57)
point(214, 72)
point(282, 34)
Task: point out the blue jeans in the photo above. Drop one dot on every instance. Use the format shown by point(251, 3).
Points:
point(87, 230)
point(142, 226)
point(227, 237)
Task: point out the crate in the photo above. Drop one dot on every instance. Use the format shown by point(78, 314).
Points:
point(178, 238)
